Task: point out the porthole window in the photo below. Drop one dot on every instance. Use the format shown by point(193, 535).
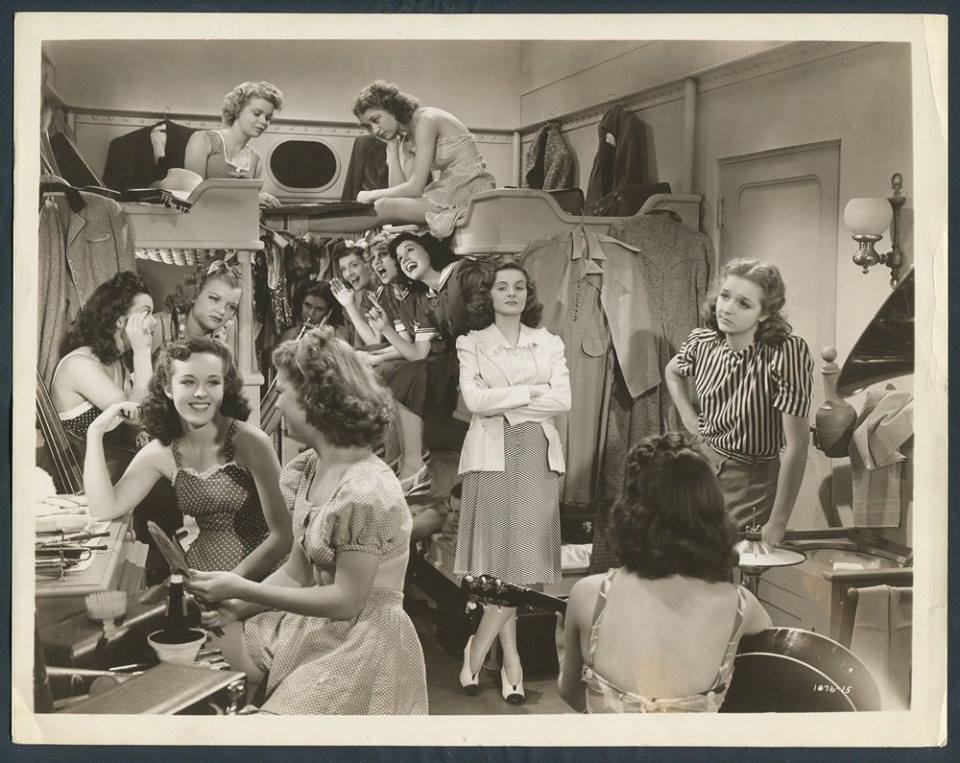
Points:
point(303, 164)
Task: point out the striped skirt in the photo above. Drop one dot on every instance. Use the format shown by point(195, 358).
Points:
point(510, 520)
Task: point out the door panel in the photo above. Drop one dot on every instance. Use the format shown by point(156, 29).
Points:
point(781, 207)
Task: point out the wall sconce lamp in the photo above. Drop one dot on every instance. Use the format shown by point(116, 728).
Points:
point(867, 219)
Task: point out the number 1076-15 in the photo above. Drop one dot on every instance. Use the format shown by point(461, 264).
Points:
point(832, 688)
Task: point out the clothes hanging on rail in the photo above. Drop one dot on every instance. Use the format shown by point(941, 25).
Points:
point(367, 168)
point(78, 251)
point(593, 296)
point(676, 272)
point(621, 155)
point(550, 163)
point(133, 161)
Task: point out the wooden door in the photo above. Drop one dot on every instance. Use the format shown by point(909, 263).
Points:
point(782, 207)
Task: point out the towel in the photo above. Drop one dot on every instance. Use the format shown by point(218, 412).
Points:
point(882, 640)
point(883, 427)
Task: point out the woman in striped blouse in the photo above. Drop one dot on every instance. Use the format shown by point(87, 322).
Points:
point(753, 379)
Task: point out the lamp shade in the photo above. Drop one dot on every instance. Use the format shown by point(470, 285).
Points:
point(868, 216)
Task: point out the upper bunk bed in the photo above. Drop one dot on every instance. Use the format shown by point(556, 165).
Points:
point(506, 220)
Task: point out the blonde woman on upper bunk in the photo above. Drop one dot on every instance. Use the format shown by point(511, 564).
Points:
point(225, 152)
point(753, 380)
point(420, 140)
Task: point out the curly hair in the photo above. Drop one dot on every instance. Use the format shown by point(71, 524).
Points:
point(438, 251)
point(339, 393)
point(773, 329)
point(159, 415)
point(96, 324)
point(480, 304)
point(187, 291)
point(242, 94)
point(672, 519)
point(386, 96)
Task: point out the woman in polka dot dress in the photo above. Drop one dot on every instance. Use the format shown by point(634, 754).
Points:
point(328, 629)
point(224, 471)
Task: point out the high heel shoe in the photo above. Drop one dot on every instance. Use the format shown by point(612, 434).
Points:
point(469, 681)
point(512, 693)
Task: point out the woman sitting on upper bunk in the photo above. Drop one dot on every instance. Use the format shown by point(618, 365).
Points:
point(203, 305)
point(753, 379)
point(421, 139)
point(334, 638)
point(224, 471)
point(248, 110)
point(660, 633)
point(92, 375)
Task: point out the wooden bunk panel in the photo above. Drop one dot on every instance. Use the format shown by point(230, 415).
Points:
point(225, 214)
point(504, 221)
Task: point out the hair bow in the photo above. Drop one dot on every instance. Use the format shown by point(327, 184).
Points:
point(222, 266)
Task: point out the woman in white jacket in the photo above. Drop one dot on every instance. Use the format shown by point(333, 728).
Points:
point(514, 379)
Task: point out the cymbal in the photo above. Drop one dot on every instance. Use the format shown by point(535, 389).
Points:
point(756, 553)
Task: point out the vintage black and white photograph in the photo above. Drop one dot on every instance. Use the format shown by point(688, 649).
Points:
point(461, 367)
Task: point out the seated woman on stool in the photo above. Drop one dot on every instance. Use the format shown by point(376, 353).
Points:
point(420, 139)
point(660, 633)
point(224, 471)
point(334, 638)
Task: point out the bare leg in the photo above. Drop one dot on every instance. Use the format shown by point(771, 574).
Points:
point(491, 623)
point(401, 210)
point(235, 652)
point(511, 656)
point(411, 442)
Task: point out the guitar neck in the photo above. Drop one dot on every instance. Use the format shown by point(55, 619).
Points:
point(540, 600)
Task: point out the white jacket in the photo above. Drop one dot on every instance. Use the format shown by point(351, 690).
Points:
point(495, 382)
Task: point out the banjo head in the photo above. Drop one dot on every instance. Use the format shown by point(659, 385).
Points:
point(790, 670)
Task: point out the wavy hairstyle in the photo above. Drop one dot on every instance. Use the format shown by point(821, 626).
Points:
point(480, 304)
point(187, 291)
point(159, 415)
point(438, 251)
point(672, 519)
point(386, 96)
point(96, 324)
point(773, 329)
point(242, 94)
point(339, 393)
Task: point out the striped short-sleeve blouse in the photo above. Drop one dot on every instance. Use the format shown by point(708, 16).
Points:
point(742, 394)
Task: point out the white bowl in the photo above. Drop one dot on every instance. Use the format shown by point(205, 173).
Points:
point(179, 654)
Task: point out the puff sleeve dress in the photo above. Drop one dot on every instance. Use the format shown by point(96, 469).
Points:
point(373, 663)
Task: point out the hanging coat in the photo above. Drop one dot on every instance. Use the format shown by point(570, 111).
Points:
point(130, 158)
point(77, 252)
point(367, 169)
point(621, 155)
point(550, 163)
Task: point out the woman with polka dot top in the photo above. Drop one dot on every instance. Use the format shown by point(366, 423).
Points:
point(224, 471)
